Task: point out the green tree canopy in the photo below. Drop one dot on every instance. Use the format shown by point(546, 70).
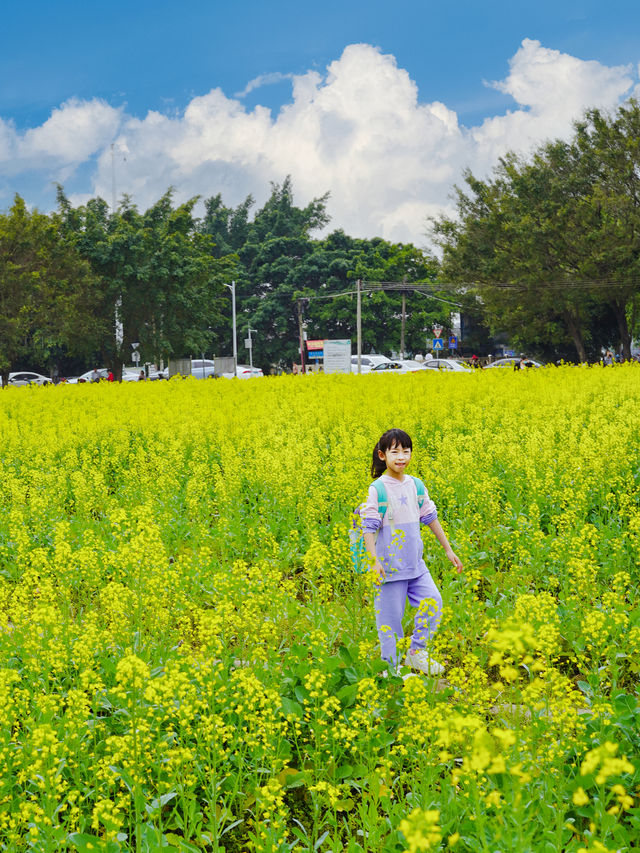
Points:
point(551, 243)
point(155, 274)
point(43, 287)
point(280, 260)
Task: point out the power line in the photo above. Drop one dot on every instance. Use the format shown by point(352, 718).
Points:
point(393, 286)
point(450, 286)
point(546, 284)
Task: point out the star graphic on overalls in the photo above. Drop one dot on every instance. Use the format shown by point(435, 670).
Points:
point(403, 500)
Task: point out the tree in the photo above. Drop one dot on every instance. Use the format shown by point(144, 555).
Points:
point(280, 262)
point(513, 239)
point(274, 265)
point(611, 147)
point(155, 274)
point(227, 227)
point(43, 281)
point(552, 242)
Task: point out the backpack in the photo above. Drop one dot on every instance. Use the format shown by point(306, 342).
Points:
point(359, 555)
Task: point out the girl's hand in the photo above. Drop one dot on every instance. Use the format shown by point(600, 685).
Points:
point(457, 562)
point(378, 568)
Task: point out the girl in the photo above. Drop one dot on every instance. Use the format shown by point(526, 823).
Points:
point(392, 539)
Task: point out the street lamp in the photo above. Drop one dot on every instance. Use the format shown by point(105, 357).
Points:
point(249, 345)
point(232, 288)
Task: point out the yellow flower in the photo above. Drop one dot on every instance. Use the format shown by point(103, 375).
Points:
point(580, 797)
point(421, 831)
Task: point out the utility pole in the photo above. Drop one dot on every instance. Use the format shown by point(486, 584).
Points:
point(359, 324)
point(119, 325)
point(232, 288)
point(404, 317)
point(301, 333)
point(249, 341)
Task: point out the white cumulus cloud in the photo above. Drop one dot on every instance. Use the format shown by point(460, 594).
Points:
point(359, 130)
point(264, 80)
point(73, 133)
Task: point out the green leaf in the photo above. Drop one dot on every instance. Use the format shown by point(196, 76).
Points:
point(345, 771)
point(291, 708)
point(85, 843)
point(345, 655)
point(347, 694)
point(152, 839)
point(126, 777)
point(159, 802)
point(181, 844)
point(301, 693)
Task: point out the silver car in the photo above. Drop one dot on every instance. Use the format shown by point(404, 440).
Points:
point(26, 377)
point(449, 364)
point(368, 362)
point(103, 373)
point(244, 371)
point(202, 368)
point(511, 361)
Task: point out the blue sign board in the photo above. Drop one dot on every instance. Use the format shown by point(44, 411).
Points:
point(316, 353)
point(438, 343)
point(453, 342)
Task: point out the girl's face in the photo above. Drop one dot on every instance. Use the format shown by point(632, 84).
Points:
point(396, 459)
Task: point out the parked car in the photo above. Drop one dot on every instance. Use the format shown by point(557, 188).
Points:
point(400, 366)
point(367, 362)
point(448, 364)
point(511, 360)
point(202, 368)
point(412, 366)
point(26, 377)
point(154, 375)
point(130, 374)
point(245, 371)
point(103, 373)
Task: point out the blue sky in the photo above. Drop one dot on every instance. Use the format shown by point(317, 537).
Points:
point(138, 73)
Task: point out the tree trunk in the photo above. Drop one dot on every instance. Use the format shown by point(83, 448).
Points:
point(620, 310)
point(573, 327)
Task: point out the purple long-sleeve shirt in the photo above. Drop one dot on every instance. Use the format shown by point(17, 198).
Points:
point(399, 544)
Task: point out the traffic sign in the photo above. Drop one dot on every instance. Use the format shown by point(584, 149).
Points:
point(453, 342)
point(438, 343)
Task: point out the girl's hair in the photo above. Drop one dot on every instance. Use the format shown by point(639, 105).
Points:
point(391, 438)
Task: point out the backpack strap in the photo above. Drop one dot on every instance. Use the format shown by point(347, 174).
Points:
point(421, 490)
point(383, 503)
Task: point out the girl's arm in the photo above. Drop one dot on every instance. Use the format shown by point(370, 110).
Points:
point(438, 532)
point(370, 544)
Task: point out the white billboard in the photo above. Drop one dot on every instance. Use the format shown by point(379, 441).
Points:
point(337, 356)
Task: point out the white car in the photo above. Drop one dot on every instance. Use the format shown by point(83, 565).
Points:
point(128, 375)
point(401, 366)
point(26, 377)
point(202, 368)
point(412, 366)
point(103, 373)
point(244, 371)
point(448, 364)
point(367, 362)
point(513, 360)
point(158, 374)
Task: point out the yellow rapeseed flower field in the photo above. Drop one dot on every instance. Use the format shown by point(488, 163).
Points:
point(188, 661)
